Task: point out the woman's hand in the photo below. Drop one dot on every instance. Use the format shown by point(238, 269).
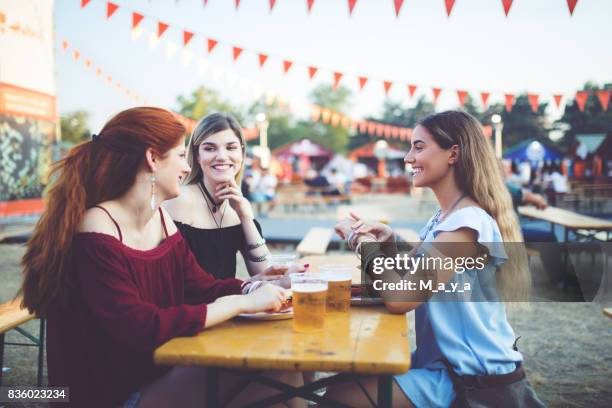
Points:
point(380, 231)
point(268, 297)
point(277, 274)
point(237, 201)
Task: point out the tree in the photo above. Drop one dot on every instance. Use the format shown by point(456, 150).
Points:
point(203, 101)
point(280, 122)
point(74, 127)
point(335, 138)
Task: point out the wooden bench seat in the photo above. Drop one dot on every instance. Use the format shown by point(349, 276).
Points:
point(315, 242)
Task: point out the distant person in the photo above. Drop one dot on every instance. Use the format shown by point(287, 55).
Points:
point(524, 171)
point(337, 182)
point(115, 279)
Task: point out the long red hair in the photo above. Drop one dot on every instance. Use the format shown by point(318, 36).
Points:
point(92, 172)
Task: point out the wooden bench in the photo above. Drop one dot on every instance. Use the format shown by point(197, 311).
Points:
point(315, 242)
point(11, 317)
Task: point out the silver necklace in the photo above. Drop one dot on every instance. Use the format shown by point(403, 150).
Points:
point(437, 217)
point(211, 210)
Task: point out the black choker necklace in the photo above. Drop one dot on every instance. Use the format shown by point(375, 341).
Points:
point(215, 206)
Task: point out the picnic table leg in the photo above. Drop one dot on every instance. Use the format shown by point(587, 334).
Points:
point(41, 350)
point(212, 387)
point(385, 391)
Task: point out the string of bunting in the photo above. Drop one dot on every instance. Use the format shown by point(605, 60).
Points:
point(211, 44)
point(397, 5)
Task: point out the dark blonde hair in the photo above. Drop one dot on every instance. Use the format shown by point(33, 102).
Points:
point(95, 171)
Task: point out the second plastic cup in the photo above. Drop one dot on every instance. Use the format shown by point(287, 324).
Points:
point(339, 278)
point(309, 302)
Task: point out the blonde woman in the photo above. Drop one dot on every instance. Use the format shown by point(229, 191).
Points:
point(466, 352)
point(212, 214)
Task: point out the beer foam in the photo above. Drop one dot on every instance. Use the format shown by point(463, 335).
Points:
point(337, 276)
point(308, 287)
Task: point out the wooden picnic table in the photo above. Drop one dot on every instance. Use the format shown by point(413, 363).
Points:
point(570, 220)
point(315, 263)
point(367, 340)
point(367, 212)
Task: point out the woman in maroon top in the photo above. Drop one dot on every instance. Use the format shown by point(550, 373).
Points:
point(115, 279)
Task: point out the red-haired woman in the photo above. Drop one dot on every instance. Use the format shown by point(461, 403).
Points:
point(115, 279)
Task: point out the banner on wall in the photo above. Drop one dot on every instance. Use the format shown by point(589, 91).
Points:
point(28, 112)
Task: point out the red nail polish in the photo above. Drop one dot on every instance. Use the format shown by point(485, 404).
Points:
point(306, 265)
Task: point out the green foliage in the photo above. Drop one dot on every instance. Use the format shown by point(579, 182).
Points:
point(203, 101)
point(74, 127)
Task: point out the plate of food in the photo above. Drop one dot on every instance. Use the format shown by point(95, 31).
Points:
point(286, 312)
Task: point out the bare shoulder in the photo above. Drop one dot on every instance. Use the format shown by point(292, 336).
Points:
point(96, 220)
point(181, 207)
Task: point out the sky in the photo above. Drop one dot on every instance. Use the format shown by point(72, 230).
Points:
point(538, 48)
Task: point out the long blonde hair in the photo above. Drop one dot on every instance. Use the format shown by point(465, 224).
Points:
point(208, 126)
point(478, 175)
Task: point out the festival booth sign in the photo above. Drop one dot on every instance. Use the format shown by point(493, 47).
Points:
point(537, 152)
point(303, 155)
point(28, 114)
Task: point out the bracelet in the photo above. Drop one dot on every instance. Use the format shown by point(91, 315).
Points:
point(245, 287)
point(256, 285)
point(256, 245)
point(258, 258)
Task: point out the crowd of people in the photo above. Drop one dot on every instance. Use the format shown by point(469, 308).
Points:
point(138, 241)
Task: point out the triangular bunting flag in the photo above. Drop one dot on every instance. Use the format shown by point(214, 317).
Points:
point(87, 63)
point(557, 99)
point(187, 36)
point(461, 95)
point(371, 128)
point(436, 94)
point(351, 6)
point(533, 101)
point(571, 4)
point(449, 6)
point(398, 6)
point(380, 129)
point(309, 4)
point(604, 98)
point(109, 79)
point(387, 86)
point(212, 44)
point(484, 97)
point(312, 71)
point(337, 78)
point(161, 29)
point(98, 72)
point(237, 4)
point(76, 55)
point(581, 99)
point(205, 3)
point(262, 59)
point(335, 119)
point(136, 19)
point(110, 9)
point(395, 132)
point(272, 4)
point(411, 90)
point(509, 101)
point(388, 131)
point(507, 4)
point(362, 82)
point(64, 45)
point(84, 3)
point(287, 65)
point(236, 51)
point(363, 126)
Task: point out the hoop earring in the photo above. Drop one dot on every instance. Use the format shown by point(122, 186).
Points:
point(153, 198)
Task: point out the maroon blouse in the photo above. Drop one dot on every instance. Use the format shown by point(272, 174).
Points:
point(125, 303)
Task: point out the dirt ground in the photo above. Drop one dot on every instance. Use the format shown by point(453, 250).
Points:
point(567, 346)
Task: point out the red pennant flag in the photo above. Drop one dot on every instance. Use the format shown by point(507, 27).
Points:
point(351, 5)
point(76, 55)
point(64, 45)
point(326, 115)
point(337, 78)
point(604, 98)
point(388, 131)
point(380, 129)
point(237, 4)
point(110, 9)
point(558, 100)
point(363, 125)
point(84, 3)
point(509, 101)
point(581, 98)
point(507, 4)
point(309, 4)
point(87, 63)
point(187, 36)
point(272, 4)
point(398, 5)
point(411, 90)
point(436, 94)
point(449, 6)
point(212, 44)
point(484, 96)
point(395, 132)
point(335, 119)
point(362, 82)
point(236, 51)
point(312, 71)
point(136, 19)
point(262, 59)
point(287, 65)
point(109, 79)
point(205, 3)
point(571, 4)
point(387, 86)
point(533, 101)
point(98, 72)
point(461, 95)
point(161, 29)
point(371, 128)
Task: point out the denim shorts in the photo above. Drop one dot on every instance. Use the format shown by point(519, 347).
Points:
point(132, 402)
